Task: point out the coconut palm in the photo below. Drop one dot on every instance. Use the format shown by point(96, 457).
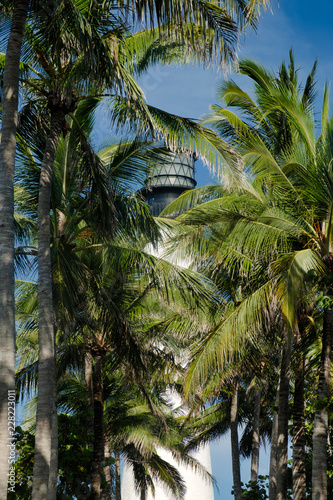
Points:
point(77, 226)
point(203, 245)
point(216, 27)
point(302, 171)
point(61, 100)
point(60, 104)
point(222, 28)
point(269, 138)
point(7, 161)
point(313, 158)
point(114, 339)
point(47, 339)
point(59, 107)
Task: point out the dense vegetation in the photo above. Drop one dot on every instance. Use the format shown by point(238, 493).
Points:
point(106, 329)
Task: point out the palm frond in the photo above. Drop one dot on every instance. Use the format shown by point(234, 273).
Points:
point(226, 340)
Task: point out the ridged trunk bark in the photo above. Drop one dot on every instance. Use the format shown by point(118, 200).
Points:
point(234, 442)
point(46, 362)
point(282, 440)
point(255, 438)
point(7, 297)
point(299, 475)
point(273, 454)
point(98, 452)
point(320, 429)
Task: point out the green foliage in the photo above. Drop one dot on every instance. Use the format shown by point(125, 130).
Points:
point(75, 456)
point(256, 490)
point(25, 446)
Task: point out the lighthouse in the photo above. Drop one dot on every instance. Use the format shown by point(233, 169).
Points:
point(168, 181)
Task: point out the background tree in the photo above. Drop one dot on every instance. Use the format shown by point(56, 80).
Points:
point(289, 167)
point(268, 138)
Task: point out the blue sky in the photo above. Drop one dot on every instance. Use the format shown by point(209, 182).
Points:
point(306, 27)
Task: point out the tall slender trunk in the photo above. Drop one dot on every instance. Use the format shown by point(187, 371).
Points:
point(118, 479)
point(7, 298)
point(273, 454)
point(106, 495)
point(255, 438)
point(320, 429)
point(299, 475)
point(46, 362)
point(282, 441)
point(234, 441)
point(98, 453)
point(143, 495)
point(53, 476)
point(88, 377)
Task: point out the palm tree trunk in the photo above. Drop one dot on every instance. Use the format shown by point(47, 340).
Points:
point(88, 377)
point(255, 438)
point(7, 163)
point(320, 429)
point(143, 495)
point(273, 454)
point(98, 452)
point(234, 442)
point(107, 472)
point(53, 477)
point(118, 479)
point(282, 441)
point(299, 476)
point(46, 363)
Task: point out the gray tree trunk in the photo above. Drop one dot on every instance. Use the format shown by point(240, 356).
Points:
point(143, 495)
point(255, 438)
point(320, 429)
point(53, 477)
point(282, 440)
point(106, 495)
point(299, 475)
point(46, 362)
point(118, 478)
point(98, 452)
point(273, 454)
point(88, 377)
point(234, 442)
point(7, 298)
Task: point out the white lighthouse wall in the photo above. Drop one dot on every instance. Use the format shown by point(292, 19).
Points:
point(198, 487)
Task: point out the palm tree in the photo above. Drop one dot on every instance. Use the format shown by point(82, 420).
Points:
point(212, 27)
point(59, 108)
point(267, 139)
point(76, 211)
point(61, 101)
point(7, 162)
point(295, 170)
point(225, 34)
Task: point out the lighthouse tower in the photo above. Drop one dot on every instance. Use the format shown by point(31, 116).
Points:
point(167, 183)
